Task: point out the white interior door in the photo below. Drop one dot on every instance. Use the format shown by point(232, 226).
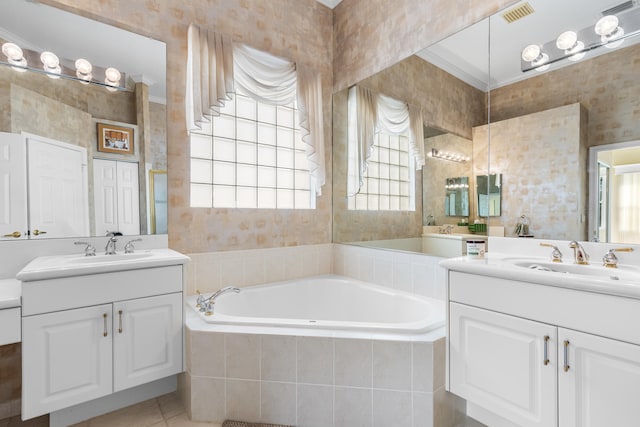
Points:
point(117, 196)
point(58, 197)
point(504, 364)
point(128, 198)
point(601, 384)
point(105, 193)
point(13, 187)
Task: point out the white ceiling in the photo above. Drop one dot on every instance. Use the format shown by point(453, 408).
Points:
point(329, 3)
point(40, 27)
point(465, 54)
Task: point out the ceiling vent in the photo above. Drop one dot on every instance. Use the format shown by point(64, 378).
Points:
point(619, 8)
point(519, 12)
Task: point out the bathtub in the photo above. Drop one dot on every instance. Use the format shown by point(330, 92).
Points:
point(325, 342)
point(328, 302)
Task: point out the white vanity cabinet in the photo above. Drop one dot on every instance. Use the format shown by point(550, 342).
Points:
point(126, 332)
point(537, 355)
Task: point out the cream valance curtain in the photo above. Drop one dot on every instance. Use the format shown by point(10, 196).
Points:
point(370, 113)
point(216, 66)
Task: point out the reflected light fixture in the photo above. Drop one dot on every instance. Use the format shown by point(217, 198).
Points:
point(51, 64)
point(83, 70)
point(15, 56)
point(445, 155)
point(609, 31)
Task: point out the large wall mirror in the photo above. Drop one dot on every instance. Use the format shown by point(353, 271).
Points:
point(453, 99)
point(546, 115)
point(83, 147)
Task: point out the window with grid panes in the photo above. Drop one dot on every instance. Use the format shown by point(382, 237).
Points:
point(251, 156)
point(388, 182)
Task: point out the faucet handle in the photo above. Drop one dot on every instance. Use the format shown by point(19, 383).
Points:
point(90, 250)
point(610, 259)
point(556, 255)
point(128, 248)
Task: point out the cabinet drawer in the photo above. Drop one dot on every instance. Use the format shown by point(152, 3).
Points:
point(594, 313)
point(10, 320)
point(44, 296)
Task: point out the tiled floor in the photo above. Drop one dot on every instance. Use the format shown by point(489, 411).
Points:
point(164, 411)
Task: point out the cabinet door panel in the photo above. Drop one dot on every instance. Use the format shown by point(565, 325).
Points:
point(602, 385)
point(497, 362)
point(148, 346)
point(66, 359)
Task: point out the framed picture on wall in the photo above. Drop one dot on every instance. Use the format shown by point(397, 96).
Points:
point(115, 139)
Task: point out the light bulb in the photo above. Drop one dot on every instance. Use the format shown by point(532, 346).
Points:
point(614, 39)
point(606, 25)
point(566, 40)
point(12, 52)
point(112, 76)
point(49, 60)
point(83, 70)
point(530, 53)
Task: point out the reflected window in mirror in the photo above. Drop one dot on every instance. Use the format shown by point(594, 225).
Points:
point(387, 182)
point(251, 156)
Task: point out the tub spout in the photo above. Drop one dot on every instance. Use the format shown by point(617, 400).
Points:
point(206, 304)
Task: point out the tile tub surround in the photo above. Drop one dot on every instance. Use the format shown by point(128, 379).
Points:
point(315, 381)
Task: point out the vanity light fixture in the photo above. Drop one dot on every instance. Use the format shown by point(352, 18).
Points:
point(609, 31)
point(23, 59)
point(445, 155)
point(15, 56)
point(51, 64)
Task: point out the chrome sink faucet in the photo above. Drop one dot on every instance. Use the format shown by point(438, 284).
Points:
point(110, 249)
point(580, 256)
point(89, 250)
point(556, 255)
point(446, 230)
point(206, 304)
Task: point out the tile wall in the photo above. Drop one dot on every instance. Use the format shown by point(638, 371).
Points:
point(316, 382)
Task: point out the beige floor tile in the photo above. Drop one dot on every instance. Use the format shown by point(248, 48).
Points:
point(144, 414)
point(170, 405)
point(182, 420)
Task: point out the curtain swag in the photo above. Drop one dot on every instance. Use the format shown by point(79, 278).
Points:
point(216, 66)
point(370, 113)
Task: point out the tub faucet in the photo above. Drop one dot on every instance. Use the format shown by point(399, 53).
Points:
point(580, 256)
point(206, 304)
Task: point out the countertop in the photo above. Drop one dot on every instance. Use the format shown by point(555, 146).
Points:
point(10, 292)
point(623, 281)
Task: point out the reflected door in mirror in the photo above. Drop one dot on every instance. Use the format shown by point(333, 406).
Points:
point(117, 197)
point(13, 187)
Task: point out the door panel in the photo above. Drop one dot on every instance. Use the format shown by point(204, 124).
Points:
point(148, 339)
point(66, 359)
point(58, 196)
point(13, 187)
point(497, 362)
point(602, 383)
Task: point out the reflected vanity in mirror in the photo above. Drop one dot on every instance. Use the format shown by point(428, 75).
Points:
point(65, 178)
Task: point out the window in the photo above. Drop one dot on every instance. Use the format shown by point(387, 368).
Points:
point(389, 182)
point(251, 156)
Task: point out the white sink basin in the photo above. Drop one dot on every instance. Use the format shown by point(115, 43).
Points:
point(623, 272)
point(50, 267)
point(108, 258)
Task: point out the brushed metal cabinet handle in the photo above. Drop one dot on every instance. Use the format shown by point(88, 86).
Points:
point(546, 350)
point(120, 321)
point(566, 355)
point(104, 316)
